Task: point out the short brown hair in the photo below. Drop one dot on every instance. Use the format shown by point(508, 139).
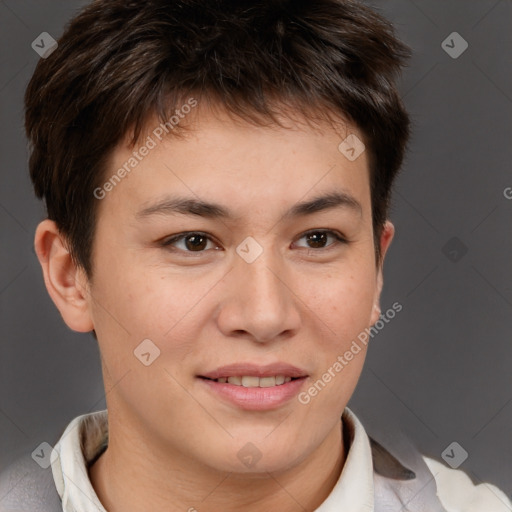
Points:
point(119, 61)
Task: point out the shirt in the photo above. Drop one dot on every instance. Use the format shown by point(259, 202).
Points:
point(86, 437)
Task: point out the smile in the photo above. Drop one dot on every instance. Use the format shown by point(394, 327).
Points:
point(250, 381)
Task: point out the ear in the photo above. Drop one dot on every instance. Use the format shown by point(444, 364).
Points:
point(66, 283)
point(385, 241)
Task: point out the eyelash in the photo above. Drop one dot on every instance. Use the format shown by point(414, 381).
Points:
point(339, 239)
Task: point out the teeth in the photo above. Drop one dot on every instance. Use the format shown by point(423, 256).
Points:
point(266, 382)
point(250, 381)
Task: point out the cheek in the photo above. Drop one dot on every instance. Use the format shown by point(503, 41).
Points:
point(343, 303)
point(343, 309)
point(133, 302)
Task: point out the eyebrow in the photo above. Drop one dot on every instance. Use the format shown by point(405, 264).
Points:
point(191, 206)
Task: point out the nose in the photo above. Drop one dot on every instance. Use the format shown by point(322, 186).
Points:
point(260, 303)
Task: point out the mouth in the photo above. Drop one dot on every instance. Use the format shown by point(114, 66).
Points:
point(252, 381)
point(252, 387)
point(250, 375)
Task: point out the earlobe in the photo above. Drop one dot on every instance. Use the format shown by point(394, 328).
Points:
point(66, 283)
point(385, 241)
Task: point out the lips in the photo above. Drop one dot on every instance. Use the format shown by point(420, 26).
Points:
point(249, 372)
point(254, 387)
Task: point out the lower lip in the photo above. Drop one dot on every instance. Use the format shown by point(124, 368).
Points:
point(256, 399)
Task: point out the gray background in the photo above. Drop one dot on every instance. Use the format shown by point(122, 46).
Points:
point(440, 370)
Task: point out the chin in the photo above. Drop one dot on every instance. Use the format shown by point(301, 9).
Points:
point(255, 458)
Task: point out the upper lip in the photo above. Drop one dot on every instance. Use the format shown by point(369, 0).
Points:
point(250, 369)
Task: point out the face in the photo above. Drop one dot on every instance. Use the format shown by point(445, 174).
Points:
point(208, 251)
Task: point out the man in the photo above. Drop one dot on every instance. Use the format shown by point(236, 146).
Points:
point(217, 177)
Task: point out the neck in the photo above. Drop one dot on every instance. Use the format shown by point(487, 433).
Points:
point(133, 476)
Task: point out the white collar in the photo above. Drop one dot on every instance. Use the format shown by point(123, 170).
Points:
point(86, 434)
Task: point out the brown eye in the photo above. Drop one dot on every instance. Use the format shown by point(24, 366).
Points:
point(195, 242)
point(316, 240)
point(319, 239)
point(188, 242)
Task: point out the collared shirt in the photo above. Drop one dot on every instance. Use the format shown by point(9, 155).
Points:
point(86, 437)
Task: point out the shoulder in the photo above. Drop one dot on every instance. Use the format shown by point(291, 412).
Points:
point(27, 487)
point(458, 493)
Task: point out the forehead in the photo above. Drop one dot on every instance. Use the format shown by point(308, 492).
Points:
point(236, 162)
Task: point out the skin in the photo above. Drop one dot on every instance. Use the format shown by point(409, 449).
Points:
point(174, 444)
